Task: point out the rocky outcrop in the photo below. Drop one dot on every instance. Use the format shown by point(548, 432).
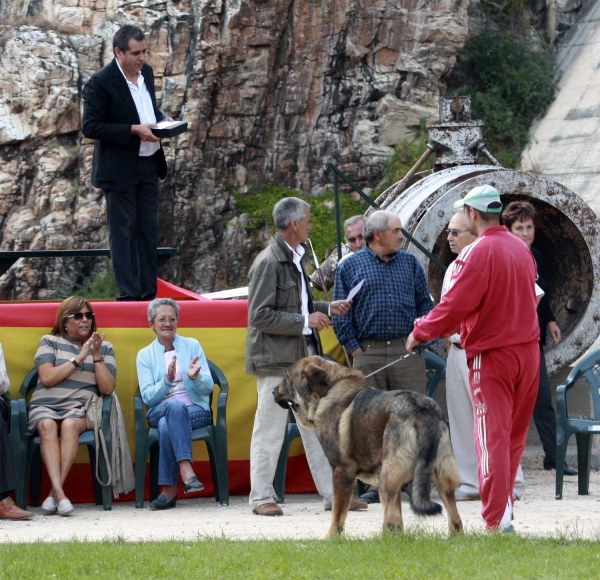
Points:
point(272, 90)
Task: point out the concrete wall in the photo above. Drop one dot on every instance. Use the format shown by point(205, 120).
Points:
point(566, 142)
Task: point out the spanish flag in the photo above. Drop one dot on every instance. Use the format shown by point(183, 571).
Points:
point(219, 326)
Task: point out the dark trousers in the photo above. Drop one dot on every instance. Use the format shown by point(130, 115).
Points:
point(544, 415)
point(8, 480)
point(132, 218)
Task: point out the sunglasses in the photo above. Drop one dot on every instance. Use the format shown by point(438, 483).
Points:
point(79, 315)
point(455, 233)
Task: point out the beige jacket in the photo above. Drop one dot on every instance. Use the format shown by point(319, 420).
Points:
point(275, 324)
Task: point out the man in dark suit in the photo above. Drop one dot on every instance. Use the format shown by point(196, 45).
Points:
point(118, 113)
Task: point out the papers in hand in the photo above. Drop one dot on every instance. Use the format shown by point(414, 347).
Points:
point(539, 293)
point(354, 290)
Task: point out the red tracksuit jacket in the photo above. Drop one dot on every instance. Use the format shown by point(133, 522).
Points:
point(491, 296)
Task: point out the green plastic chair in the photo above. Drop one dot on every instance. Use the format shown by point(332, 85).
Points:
point(435, 371)
point(31, 469)
point(215, 436)
point(587, 368)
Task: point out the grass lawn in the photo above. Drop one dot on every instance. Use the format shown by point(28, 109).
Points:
point(403, 556)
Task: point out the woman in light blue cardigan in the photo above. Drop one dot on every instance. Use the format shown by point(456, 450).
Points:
point(175, 383)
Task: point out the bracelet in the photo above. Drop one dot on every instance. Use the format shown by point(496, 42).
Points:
point(99, 360)
point(167, 382)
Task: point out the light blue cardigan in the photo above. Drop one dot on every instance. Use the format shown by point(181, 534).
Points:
point(151, 372)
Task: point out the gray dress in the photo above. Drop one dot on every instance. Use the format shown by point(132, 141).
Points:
point(67, 398)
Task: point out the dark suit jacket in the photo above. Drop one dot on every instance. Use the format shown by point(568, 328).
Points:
point(108, 114)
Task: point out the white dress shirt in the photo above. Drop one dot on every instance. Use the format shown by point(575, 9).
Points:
point(143, 104)
point(298, 254)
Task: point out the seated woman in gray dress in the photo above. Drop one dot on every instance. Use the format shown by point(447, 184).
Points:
point(73, 362)
point(175, 383)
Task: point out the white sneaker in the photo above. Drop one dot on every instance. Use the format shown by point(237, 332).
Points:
point(49, 506)
point(65, 507)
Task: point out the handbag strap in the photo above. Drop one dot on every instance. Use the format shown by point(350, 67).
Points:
point(99, 435)
point(94, 409)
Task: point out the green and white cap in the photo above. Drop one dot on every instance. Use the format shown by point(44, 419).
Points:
point(485, 198)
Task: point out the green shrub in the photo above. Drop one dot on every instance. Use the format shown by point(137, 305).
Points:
point(511, 81)
point(98, 284)
point(259, 207)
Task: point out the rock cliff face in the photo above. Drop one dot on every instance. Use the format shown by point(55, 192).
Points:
point(272, 90)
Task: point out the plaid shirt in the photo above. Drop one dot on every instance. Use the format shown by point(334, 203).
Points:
point(394, 294)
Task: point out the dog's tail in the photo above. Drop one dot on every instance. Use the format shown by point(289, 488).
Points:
point(427, 441)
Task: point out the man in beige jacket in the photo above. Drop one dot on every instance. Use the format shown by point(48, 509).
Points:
point(283, 325)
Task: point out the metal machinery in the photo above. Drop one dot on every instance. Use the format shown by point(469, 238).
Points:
point(567, 230)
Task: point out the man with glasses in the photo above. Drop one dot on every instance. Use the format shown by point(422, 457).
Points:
point(458, 392)
point(393, 295)
point(353, 231)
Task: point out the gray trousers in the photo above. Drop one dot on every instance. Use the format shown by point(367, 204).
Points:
point(407, 374)
point(267, 438)
point(460, 415)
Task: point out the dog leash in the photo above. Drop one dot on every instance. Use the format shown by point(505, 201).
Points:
point(390, 364)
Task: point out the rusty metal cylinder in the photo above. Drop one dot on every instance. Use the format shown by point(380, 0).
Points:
point(567, 234)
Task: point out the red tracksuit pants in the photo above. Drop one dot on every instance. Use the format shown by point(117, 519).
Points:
point(504, 385)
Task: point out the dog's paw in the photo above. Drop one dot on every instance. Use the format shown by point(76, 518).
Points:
point(335, 532)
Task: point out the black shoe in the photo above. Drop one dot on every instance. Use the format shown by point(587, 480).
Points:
point(371, 496)
point(551, 465)
point(192, 485)
point(161, 503)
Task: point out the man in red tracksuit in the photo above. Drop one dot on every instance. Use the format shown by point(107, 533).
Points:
point(492, 298)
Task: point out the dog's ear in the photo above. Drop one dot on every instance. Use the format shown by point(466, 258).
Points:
point(317, 379)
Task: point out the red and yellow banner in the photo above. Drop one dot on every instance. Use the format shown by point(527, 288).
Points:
point(219, 326)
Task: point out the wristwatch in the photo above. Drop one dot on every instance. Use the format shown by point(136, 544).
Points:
point(72, 360)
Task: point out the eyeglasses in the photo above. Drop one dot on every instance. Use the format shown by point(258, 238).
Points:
point(455, 233)
point(79, 315)
point(352, 240)
point(162, 320)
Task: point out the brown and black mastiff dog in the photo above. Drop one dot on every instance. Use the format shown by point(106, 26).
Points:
point(385, 438)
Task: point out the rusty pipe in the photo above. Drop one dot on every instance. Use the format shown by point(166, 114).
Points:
point(388, 196)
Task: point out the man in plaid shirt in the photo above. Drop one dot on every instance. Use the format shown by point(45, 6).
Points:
point(393, 295)
point(383, 312)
